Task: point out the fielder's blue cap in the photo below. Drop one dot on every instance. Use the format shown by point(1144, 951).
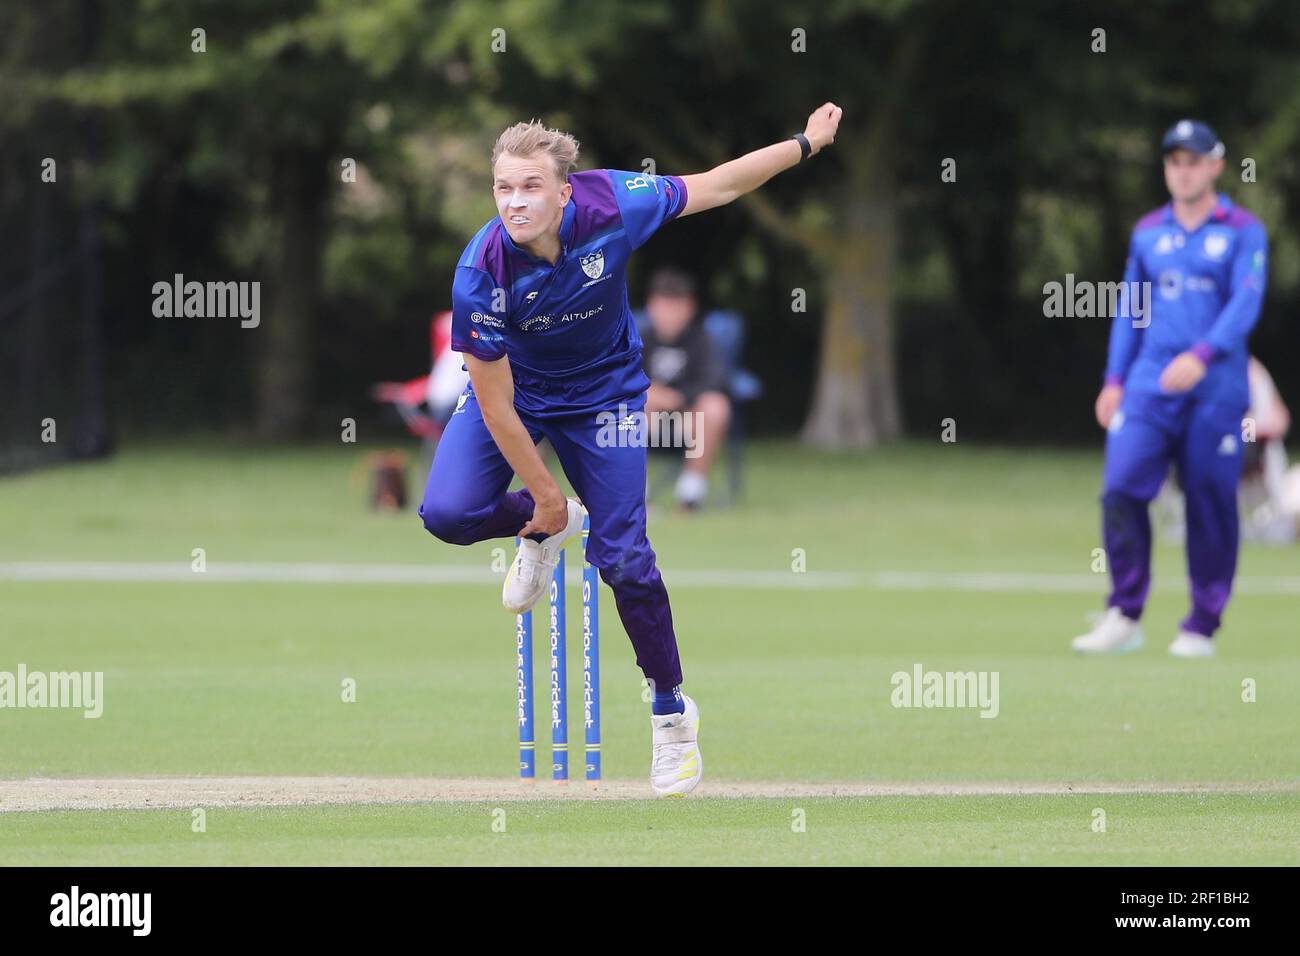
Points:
point(1193, 135)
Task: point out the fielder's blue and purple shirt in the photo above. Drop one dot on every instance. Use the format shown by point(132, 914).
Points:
point(566, 328)
point(1207, 287)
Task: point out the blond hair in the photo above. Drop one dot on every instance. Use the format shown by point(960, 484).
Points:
point(525, 139)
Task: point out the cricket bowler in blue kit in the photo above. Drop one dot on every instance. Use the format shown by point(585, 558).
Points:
point(541, 315)
point(1175, 391)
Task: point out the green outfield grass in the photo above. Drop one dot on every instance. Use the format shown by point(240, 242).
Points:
point(224, 678)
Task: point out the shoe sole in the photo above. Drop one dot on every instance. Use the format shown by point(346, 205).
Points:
point(692, 784)
point(582, 511)
point(532, 604)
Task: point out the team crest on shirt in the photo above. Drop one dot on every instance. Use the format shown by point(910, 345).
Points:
point(1216, 244)
point(593, 265)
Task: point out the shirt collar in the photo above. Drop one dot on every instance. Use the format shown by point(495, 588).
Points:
point(1222, 206)
point(567, 218)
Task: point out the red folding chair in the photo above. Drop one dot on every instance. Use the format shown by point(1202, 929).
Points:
point(411, 398)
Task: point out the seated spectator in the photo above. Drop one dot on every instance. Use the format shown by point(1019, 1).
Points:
point(687, 376)
point(1269, 493)
point(1264, 465)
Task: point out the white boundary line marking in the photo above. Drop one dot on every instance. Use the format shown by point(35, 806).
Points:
point(734, 579)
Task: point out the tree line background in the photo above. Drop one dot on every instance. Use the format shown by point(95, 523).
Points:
point(924, 297)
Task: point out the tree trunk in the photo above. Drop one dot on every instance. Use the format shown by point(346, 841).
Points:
point(29, 405)
point(93, 437)
point(855, 401)
point(289, 292)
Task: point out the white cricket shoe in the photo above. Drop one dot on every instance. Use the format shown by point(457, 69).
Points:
point(1187, 644)
point(531, 571)
point(675, 762)
point(1113, 634)
point(692, 488)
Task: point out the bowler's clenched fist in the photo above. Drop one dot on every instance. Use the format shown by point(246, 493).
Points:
point(822, 124)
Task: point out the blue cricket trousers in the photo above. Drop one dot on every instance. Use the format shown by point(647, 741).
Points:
point(466, 500)
point(1202, 440)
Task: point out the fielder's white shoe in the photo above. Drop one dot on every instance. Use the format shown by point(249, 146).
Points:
point(530, 573)
point(1187, 644)
point(1113, 634)
point(675, 763)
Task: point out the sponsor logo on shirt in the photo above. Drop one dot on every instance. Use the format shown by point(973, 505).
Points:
point(540, 323)
point(487, 319)
point(642, 182)
point(1229, 445)
point(579, 316)
point(1171, 284)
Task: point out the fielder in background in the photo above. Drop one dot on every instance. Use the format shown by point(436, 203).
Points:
point(540, 312)
point(1176, 390)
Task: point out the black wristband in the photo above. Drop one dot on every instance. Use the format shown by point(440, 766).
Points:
point(805, 147)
